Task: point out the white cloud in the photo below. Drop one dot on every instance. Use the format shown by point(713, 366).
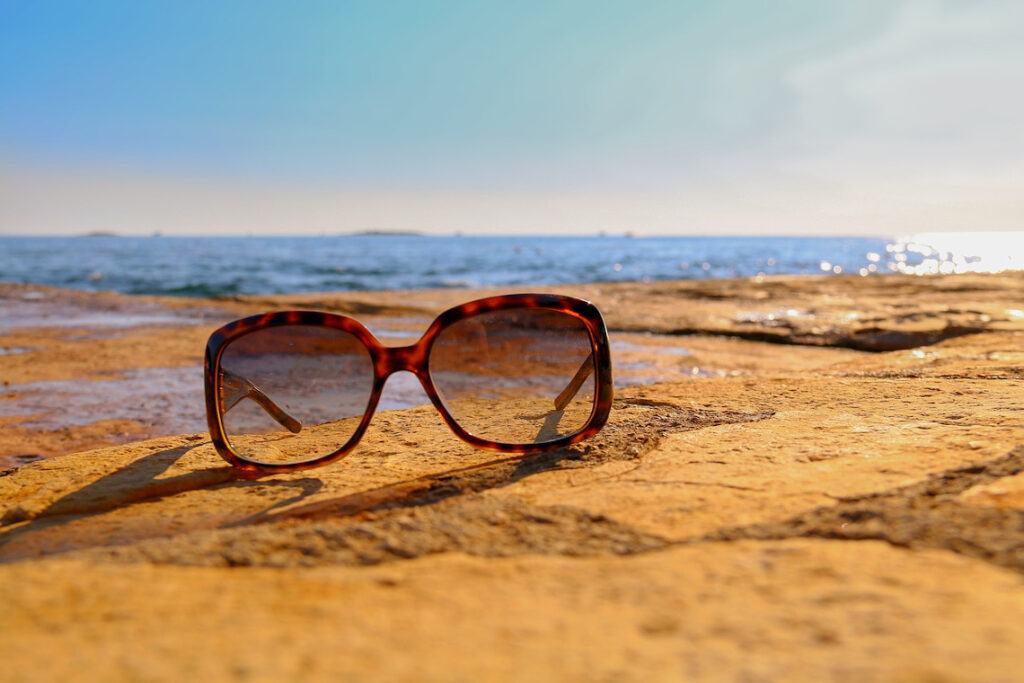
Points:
point(943, 82)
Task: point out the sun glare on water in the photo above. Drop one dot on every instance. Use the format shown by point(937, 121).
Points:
point(956, 252)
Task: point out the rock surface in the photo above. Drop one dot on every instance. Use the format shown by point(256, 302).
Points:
point(791, 506)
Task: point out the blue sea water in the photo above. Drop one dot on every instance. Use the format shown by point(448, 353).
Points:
point(210, 266)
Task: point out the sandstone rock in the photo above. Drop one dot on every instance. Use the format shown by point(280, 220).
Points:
point(791, 511)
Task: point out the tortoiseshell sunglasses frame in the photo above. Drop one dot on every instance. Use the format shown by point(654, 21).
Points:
point(415, 359)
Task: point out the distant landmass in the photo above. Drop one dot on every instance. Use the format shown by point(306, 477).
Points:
point(388, 233)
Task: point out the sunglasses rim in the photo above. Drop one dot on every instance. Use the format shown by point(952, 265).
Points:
point(415, 358)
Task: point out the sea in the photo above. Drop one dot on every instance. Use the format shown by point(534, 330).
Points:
point(218, 266)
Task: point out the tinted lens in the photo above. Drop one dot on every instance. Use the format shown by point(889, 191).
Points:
point(293, 393)
point(500, 375)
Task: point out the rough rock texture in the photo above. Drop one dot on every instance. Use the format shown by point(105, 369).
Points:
point(779, 511)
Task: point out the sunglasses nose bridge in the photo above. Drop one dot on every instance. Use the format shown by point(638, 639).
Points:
point(396, 358)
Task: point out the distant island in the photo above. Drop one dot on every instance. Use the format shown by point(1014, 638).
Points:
point(388, 233)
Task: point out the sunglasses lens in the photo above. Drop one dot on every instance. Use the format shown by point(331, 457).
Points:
point(518, 376)
point(293, 393)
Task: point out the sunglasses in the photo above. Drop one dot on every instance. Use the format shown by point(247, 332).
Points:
point(521, 373)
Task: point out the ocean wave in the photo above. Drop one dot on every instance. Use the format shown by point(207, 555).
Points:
point(212, 266)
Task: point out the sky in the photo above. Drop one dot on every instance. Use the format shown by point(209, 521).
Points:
point(874, 117)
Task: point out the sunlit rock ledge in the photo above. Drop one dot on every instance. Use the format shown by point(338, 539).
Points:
point(828, 487)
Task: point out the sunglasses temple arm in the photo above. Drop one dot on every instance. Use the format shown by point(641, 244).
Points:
point(562, 400)
point(239, 387)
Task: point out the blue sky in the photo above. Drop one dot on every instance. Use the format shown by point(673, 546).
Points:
point(713, 117)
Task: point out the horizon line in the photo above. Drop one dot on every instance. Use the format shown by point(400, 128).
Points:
point(630, 234)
